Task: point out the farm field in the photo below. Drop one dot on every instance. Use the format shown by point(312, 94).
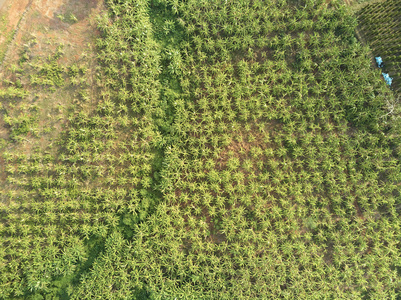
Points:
point(379, 24)
point(167, 149)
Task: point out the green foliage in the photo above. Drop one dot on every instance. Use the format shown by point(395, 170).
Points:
point(68, 18)
point(237, 150)
point(13, 92)
point(49, 74)
point(379, 25)
point(26, 122)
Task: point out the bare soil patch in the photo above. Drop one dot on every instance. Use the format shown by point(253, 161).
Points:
point(39, 28)
point(11, 13)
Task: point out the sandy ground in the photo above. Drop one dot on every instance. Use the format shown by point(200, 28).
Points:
point(2, 3)
point(42, 16)
point(13, 12)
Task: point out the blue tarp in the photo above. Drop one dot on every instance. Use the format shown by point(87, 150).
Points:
point(379, 61)
point(387, 78)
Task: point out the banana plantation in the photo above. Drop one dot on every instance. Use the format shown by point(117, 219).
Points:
point(234, 149)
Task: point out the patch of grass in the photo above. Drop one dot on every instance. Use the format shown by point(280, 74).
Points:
point(68, 17)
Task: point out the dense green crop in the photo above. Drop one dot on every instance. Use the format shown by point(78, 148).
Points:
point(238, 150)
point(379, 24)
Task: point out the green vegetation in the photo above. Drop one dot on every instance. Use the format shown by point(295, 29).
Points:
point(236, 150)
point(68, 18)
point(8, 36)
point(379, 24)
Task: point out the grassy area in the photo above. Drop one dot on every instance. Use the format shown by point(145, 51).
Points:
point(232, 150)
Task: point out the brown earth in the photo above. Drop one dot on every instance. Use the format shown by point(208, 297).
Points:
point(42, 19)
point(12, 12)
point(40, 30)
point(39, 27)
